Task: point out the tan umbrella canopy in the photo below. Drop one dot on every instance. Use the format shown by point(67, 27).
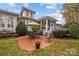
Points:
point(33, 23)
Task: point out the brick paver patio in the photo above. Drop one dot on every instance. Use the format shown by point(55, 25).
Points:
point(29, 44)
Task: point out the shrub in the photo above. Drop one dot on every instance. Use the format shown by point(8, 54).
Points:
point(40, 31)
point(21, 29)
point(59, 33)
point(67, 25)
point(74, 30)
point(34, 33)
point(3, 33)
point(35, 28)
point(6, 32)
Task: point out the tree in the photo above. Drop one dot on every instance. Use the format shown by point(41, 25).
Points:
point(71, 13)
point(21, 29)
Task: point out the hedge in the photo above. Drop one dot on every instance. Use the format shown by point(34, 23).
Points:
point(74, 30)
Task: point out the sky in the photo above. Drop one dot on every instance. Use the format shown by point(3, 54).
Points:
point(41, 9)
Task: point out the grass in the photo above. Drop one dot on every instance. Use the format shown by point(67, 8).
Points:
point(68, 47)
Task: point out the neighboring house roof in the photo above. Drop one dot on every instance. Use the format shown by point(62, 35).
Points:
point(23, 8)
point(58, 24)
point(47, 17)
point(8, 12)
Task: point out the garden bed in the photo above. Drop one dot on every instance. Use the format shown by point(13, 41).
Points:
point(8, 35)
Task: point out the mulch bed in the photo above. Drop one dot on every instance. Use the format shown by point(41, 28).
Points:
point(8, 35)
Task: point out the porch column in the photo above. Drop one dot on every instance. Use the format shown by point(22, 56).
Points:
point(46, 26)
point(50, 24)
point(41, 24)
point(53, 26)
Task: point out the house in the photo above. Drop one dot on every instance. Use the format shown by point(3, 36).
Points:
point(9, 20)
point(47, 22)
point(59, 26)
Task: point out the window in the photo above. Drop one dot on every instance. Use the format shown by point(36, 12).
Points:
point(26, 22)
point(31, 15)
point(2, 21)
point(10, 22)
point(27, 14)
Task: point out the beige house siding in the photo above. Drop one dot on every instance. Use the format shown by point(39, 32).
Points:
point(27, 13)
point(6, 18)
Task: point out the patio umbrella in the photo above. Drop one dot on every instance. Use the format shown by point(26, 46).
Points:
point(33, 23)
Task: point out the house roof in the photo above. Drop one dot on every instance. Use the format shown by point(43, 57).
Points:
point(47, 17)
point(23, 8)
point(8, 12)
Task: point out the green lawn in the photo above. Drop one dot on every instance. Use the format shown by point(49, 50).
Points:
point(9, 47)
